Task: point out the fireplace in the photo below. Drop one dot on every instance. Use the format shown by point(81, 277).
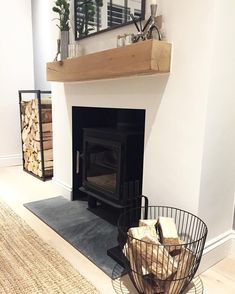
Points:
point(108, 147)
point(112, 157)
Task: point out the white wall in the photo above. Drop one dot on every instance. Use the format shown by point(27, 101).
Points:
point(189, 157)
point(175, 105)
point(41, 20)
point(218, 168)
point(16, 72)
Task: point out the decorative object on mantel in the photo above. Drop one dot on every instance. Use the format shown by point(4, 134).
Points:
point(129, 39)
point(74, 50)
point(126, 39)
point(87, 13)
point(96, 16)
point(150, 30)
point(120, 41)
point(62, 8)
point(149, 57)
point(58, 50)
point(36, 133)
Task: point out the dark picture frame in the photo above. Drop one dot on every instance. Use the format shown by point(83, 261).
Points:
point(77, 20)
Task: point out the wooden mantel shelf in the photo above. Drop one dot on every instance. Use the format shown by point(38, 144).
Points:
point(148, 57)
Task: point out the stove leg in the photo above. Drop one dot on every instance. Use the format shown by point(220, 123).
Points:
point(92, 202)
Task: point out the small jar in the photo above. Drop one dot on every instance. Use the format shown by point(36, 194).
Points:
point(129, 39)
point(78, 50)
point(71, 50)
point(120, 41)
point(74, 50)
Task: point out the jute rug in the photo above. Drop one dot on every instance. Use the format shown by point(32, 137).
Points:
point(29, 265)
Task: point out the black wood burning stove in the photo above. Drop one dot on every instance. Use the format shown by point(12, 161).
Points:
point(111, 158)
point(108, 146)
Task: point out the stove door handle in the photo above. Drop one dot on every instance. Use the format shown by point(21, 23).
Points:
point(77, 161)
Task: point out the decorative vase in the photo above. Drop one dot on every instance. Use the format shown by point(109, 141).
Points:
point(64, 44)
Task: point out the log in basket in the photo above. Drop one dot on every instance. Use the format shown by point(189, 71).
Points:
point(162, 246)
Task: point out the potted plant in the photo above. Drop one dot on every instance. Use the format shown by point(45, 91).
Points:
point(62, 7)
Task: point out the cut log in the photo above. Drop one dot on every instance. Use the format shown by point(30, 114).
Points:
point(46, 127)
point(147, 222)
point(47, 173)
point(46, 115)
point(153, 267)
point(46, 102)
point(47, 165)
point(186, 260)
point(141, 232)
point(141, 277)
point(30, 166)
point(47, 135)
point(46, 145)
point(37, 136)
point(27, 111)
point(155, 257)
point(25, 133)
point(168, 233)
point(156, 286)
point(175, 250)
point(34, 104)
point(135, 264)
point(35, 127)
point(48, 155)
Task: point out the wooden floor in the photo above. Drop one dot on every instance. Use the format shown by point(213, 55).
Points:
point(17, 187)
point(220, 279)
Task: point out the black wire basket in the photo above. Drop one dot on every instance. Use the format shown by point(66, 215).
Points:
point(156, 268)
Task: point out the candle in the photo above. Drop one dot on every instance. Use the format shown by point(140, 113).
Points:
point(153, 2)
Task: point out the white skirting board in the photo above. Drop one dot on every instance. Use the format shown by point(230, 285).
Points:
point(62, 188)
point(217, 249)
point(232, 251)
point(10, 160)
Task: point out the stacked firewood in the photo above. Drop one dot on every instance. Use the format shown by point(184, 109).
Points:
point(32, 142)
point(158, 259)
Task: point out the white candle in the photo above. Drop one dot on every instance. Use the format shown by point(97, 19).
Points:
point(153, 1)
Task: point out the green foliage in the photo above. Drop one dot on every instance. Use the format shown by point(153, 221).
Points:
point(87, 13)
point(62, 8)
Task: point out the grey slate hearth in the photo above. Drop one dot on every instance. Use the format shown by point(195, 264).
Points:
point(82, 228)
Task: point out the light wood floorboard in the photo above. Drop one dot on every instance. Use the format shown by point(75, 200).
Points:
point(18, 187)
